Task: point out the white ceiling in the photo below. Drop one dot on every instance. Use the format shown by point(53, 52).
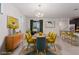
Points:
point(49, 9)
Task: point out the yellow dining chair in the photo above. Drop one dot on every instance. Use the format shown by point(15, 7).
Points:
point(71, 36)
point(29, 39)
point(51, 38)
point(63, 35)
point(40, 33)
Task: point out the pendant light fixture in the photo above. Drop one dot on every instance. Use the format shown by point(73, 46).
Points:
point(39, 12)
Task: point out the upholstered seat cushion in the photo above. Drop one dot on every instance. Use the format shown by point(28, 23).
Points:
point(47, 37)
point(31, 40)
point(50, 40)
point(51, 37)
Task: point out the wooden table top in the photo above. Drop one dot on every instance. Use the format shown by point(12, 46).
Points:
point(37, 35)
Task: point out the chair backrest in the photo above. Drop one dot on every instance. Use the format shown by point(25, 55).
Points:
point(29, 34)
point(27, 37)
point(70, 33)
point(49, 34)
point(41, 43)
point(52, 35)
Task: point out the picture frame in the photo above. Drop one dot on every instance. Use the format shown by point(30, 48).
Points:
point(50, 24)
point(12, 22)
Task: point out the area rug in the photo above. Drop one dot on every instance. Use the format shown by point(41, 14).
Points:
point(57, 49)
point(50, 51)
point(40, 53)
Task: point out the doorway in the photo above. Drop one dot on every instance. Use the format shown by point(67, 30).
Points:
point(36, 26)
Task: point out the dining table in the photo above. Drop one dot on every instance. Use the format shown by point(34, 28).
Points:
point(37, 35)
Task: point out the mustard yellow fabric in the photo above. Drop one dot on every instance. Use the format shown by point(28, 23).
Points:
point(51, 37)
point(29, 38)
point(68, 35)
point(40, 33)
point(12, 23)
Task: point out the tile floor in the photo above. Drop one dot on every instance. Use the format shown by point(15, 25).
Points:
point(66, 48)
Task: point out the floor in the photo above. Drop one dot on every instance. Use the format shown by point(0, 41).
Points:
point(66, 48)
point(62, 48)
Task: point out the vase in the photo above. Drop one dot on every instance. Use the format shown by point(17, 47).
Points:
point(14, 31)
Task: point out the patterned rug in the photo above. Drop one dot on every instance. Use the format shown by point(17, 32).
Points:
point(51, 51)
point(40, 53)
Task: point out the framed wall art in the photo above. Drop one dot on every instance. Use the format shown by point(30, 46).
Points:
point(50, 24)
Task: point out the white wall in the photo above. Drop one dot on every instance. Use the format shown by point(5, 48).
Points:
point(11, 10)
point(64, 26)
point(3, 29)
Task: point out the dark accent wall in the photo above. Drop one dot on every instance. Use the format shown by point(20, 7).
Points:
point(76, 22)
point(31, 26)
point(41, 25)
point(31, 23)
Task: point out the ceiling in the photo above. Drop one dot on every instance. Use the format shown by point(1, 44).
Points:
point(49, 9)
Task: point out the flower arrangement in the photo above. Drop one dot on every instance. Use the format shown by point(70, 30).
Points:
point(12, 23)
point(40, 33)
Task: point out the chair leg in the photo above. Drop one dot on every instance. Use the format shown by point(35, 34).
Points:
point(37, 51)
point(27, 45)
point(51, 44)
point(44, 51)
point(54, 47)
point(71, 41)
point(34, 46)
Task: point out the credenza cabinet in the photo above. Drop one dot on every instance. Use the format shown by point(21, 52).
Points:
point(13, 41)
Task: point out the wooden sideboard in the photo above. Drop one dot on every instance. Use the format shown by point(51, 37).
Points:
point(13, 41)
